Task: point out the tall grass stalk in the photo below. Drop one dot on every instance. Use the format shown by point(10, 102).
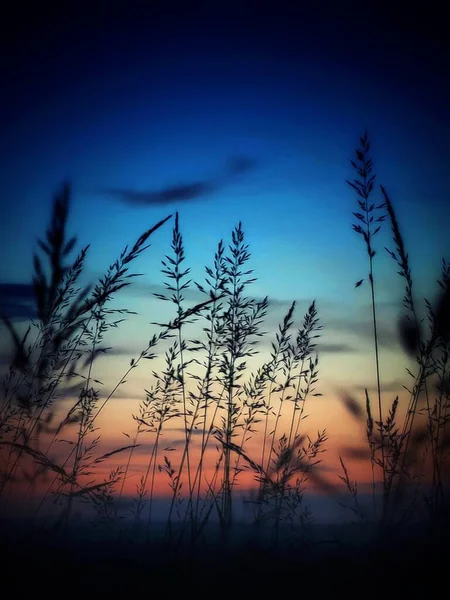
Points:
point(425, 353)
point(64, 324)
point(367, 228)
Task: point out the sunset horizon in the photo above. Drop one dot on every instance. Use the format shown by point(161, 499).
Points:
point(225, 295)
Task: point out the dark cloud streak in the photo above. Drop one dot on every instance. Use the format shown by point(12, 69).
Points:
point(17, 301)
point(188, 192)
point(363, 328)
point(185, 192)
point(239, 165)
point(335, 348)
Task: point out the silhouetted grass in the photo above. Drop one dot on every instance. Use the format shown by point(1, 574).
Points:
point(48, 466)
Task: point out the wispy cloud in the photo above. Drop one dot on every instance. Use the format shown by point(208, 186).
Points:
point(330, 348)
point(189, 191)
point(394, 386)
point(17, 301)
point(238, 165)
point(363, 328)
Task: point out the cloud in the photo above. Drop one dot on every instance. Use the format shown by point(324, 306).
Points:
point(195, 431)
point(237, 165)
point(329, 348)
point(395, 386)
point(387, 333)
point(144, 289)
point(189, 191)
point(17, 301)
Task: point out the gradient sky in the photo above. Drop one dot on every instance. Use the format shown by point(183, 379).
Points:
point(229, 114)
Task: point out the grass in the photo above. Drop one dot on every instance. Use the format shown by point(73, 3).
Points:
point(209, 388)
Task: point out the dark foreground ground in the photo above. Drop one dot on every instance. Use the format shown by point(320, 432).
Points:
point(80, 565)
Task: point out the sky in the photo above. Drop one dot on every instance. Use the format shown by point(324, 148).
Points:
point(228, 113)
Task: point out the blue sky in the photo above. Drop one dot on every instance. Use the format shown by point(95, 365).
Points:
point(134, 104)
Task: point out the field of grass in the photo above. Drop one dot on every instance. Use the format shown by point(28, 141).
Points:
point(62, 516)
